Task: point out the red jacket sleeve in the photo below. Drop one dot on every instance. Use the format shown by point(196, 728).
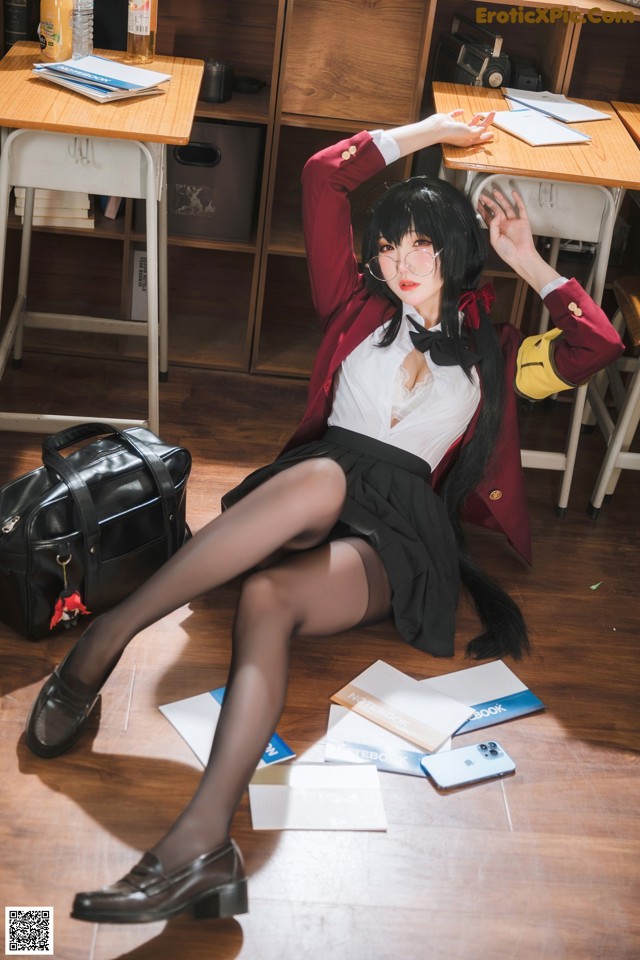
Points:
point(327, 179)
point(589, 342)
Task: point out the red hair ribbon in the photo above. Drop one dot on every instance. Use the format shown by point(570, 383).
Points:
point(469, 301)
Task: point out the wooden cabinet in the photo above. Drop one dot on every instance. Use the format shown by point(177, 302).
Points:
point(347, 65)
point(213, 283)
point(328, 69)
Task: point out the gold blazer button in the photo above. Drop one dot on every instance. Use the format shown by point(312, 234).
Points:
point(495, 495)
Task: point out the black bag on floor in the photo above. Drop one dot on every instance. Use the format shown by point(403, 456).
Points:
point(83, 531)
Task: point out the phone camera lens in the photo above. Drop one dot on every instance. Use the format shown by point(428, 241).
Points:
point(483, 747)
point(492, 745)
point(494, 753)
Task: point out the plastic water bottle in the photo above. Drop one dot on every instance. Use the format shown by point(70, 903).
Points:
point(82, 26)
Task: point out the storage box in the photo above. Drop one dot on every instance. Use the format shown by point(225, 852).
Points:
point(212, 180)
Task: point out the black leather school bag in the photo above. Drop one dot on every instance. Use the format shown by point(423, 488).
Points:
point(95, 523)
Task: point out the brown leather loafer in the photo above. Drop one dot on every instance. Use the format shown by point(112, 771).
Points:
point(57, 716)
point(211, 886)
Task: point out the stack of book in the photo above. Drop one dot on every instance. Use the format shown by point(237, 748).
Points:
point(58, 208)
point(102, 79)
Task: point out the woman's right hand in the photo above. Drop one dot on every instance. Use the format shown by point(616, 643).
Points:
point(450, 128)
point(443, 128)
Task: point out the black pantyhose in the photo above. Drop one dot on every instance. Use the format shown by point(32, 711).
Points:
point(320, 591)
point(295, 508)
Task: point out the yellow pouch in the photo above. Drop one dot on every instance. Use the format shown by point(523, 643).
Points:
point(536, 376)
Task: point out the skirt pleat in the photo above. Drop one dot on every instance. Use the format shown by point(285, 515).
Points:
point(390, 503)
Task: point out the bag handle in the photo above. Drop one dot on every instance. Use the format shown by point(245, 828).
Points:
point(82, 498)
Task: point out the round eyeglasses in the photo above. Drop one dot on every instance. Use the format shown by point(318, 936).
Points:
point(421, 262)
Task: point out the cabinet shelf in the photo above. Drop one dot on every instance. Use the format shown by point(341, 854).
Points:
point(202, 243)
point(105, 228)
point(242, 107)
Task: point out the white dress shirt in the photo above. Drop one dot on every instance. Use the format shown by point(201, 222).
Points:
point(370, 397)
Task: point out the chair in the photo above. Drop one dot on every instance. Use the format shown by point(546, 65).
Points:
point(126, 168)
point(572, 211)
point(621, 433)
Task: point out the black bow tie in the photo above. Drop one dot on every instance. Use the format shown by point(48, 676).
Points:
point(444, 351)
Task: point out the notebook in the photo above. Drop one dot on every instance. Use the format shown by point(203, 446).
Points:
point(536, 129)
point(554, 105)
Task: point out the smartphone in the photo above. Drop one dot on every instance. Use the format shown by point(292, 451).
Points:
point(454, 768)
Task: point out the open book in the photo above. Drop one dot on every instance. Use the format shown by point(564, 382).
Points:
point(101, 79)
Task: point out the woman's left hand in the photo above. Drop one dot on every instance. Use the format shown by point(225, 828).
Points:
point(509, 227)
point(511, 237)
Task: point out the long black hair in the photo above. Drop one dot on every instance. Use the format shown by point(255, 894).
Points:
point(436, 210)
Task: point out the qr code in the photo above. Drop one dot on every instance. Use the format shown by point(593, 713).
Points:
point(28, 931)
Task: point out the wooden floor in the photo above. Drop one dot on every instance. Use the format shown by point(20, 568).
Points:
point(542, 866)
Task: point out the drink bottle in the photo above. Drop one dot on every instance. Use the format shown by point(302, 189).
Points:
point(82, 24)
point(55, 30)
point(141, 31)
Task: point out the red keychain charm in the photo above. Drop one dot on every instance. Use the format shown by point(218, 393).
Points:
point(69, 606)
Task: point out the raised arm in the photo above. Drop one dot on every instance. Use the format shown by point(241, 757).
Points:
point(327, 180)
point(582, 340)
point(443, 128)
point(329, 177)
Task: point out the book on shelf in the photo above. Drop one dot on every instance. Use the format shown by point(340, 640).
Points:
point(73, 223)
point(18, 18)
point(102, 79)
point(21, 19)
point(555, 105)
point(139, 302)
point(53, 201)
point(111, 207)
point(15, 22)
point(58, 209)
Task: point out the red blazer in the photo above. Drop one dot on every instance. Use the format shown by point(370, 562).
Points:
point(348, 315)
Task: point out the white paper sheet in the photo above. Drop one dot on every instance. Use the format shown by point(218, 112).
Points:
point(317, 796)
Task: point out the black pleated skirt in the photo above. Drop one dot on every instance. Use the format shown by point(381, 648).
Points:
point(391, 504)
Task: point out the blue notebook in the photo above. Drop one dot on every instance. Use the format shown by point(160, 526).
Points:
point(196, 718)
point(492, 690)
